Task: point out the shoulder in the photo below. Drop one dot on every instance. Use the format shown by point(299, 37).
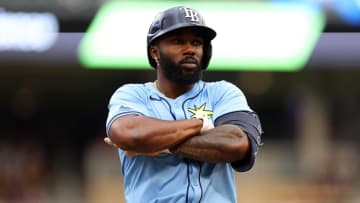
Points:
point(219, 83)
point(131, 90)
point(134, 88)
point(131, 87)
point(222, 86)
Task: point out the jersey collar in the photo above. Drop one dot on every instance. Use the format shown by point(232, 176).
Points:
point(156, 94)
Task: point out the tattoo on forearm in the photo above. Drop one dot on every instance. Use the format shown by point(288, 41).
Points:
point(212, 146)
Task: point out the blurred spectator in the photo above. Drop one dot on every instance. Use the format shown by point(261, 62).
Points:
point(22, 172)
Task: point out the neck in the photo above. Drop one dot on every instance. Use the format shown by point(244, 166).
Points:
point(170, 89)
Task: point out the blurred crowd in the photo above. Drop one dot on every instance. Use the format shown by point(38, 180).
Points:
point(23, 171)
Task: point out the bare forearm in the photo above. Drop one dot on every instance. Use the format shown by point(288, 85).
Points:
point(226, 143)
point(145, 134)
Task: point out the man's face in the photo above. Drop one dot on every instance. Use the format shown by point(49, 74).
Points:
point(180, 56)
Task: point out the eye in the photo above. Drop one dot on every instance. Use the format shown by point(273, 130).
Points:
point(197, 42)
point(177, 41)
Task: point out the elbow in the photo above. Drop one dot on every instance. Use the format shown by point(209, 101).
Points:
point(240, 149)
point(123, 137)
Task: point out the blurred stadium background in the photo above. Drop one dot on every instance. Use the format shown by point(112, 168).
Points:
point(53, 111)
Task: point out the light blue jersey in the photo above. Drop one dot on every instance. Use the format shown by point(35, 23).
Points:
point(169, 178)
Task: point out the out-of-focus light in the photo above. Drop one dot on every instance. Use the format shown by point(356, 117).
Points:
point(20, 31)
point(349, 10)
point(317, 3)
point(251, 36)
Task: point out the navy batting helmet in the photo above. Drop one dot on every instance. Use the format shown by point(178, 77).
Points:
point(180, 17)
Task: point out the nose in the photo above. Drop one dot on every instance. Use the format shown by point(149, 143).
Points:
point(189, 48)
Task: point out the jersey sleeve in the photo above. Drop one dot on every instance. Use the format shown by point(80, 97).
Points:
point(228, 98)
point(128, 99)
point(231, 107)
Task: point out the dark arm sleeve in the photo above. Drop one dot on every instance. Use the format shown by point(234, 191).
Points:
point(250, 123)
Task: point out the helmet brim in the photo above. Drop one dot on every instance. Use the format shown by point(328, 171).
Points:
point(206, 32)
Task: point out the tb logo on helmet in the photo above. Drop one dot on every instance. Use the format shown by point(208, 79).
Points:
point(189, 13)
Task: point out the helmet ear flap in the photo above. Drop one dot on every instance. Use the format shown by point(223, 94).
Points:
point(207, 55)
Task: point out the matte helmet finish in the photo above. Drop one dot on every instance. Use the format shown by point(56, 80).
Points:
point(176, 18)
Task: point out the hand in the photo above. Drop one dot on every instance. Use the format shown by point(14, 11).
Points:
point(207, 124)
point(108, 141)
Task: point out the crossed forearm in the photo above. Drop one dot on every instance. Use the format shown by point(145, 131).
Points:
point(225, 143)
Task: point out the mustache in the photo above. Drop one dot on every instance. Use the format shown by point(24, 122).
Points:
point(189, 59)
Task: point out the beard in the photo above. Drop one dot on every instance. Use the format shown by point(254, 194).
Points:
point(174, 72)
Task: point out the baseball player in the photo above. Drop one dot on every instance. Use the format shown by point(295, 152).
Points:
point(180, 139)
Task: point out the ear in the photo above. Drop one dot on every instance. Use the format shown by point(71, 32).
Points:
point(154, 52)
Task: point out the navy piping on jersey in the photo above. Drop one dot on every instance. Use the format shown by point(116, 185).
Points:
point(188, 179)
point(201, 189)
point(183, 108)
point(163, 99)
point(186, 160)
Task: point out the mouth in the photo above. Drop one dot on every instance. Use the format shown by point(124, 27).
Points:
point(189, 63)
point(189, 66)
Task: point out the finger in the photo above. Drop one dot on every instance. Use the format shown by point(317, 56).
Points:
point(131, 153)
point(108, 141)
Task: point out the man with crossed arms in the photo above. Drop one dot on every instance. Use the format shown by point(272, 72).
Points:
point(180, 138)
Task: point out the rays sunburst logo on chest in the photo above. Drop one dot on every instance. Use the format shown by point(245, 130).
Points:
point(200, 112)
